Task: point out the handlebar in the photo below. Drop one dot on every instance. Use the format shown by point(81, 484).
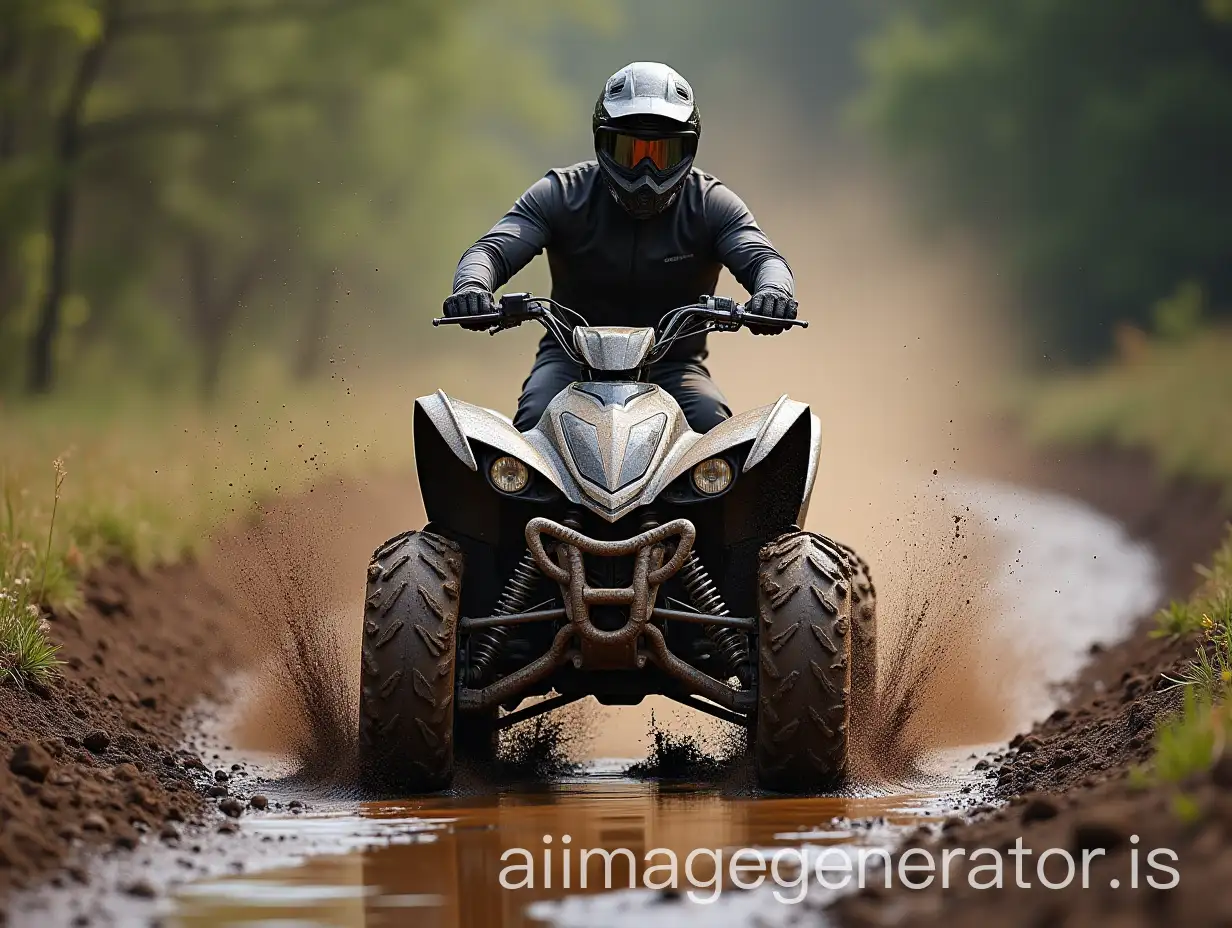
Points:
point(709, 314)
point(724, 310)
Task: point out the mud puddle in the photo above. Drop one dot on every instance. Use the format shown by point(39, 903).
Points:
point(435, 862)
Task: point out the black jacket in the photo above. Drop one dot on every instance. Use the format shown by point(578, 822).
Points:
point(617, 270)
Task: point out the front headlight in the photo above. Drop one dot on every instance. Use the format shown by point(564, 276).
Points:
point(712, 476)
point(509, 475)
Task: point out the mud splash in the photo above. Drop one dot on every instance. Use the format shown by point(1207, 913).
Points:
point(543, 748)
point(306, 684)
point(303, 701)
point(934, 651)
point(718, 755)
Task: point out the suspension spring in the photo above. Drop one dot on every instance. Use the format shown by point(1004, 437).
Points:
point(731, 646)
point(486, 645)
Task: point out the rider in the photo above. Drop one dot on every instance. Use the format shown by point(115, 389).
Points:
point(630, 236)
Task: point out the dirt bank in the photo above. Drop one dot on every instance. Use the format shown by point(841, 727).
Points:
point(1068, 780)
point(91, 761)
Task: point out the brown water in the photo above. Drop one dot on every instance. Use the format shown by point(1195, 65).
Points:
point(436, 863)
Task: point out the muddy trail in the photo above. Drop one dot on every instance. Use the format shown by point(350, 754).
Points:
point(264, 784)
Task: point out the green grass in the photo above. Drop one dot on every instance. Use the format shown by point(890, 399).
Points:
point(1210, 670)
point(148, 483)
point(26, 650)
point(1192, 740)
point(1172, 397)
point(1210, 608)
point(1187, 742)
point(150, 480)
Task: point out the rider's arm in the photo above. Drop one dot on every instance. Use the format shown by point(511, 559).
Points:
point(521, 234)
point(743, 247)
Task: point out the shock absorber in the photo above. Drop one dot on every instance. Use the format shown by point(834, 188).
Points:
point(486, 645)
point(732, 646)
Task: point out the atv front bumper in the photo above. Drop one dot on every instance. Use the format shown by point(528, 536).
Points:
point(658, 555)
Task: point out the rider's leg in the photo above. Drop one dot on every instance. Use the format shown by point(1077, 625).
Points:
point(689, 382)
point(551, 373)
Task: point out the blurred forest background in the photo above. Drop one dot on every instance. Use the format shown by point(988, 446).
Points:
point(192, 187)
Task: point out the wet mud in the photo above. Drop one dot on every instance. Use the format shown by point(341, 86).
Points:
point(93, 761)
point(716, 756)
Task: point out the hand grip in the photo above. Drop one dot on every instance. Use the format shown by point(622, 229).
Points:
point(754, 319)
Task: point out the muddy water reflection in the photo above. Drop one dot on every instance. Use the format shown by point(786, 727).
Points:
point(437, 863)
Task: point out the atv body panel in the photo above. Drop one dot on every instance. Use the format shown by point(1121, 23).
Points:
point(609, 445)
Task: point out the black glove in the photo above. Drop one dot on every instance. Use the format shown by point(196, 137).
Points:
point(770, 303)
point(470, 302)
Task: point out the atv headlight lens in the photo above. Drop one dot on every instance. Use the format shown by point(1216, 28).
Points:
point(712, 476)
point(509, 475)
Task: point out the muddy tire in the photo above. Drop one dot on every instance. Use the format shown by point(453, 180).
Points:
point(407, 667)
point(804, 665)
point(863, 641)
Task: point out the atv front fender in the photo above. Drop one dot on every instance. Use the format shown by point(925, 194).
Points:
point(460, 423)
point(763, 427)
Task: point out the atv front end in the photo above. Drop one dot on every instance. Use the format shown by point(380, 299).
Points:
point(611, 642)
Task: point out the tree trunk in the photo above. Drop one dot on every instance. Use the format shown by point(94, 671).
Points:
point(316, 328)
point(62, 206)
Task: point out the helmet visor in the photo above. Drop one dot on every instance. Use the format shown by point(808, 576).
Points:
point(628, 151)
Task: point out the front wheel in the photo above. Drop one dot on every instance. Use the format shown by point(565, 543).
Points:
point(406, 702)
point(804, 665)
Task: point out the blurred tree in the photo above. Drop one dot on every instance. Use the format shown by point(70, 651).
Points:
point(1093, 139)
point(240, 163)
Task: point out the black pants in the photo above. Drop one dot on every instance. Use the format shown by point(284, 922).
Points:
point(687, 381)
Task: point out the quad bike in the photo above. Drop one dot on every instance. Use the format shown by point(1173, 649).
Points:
point(612, 552)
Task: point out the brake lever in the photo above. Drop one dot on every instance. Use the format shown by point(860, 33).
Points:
point(463, 320)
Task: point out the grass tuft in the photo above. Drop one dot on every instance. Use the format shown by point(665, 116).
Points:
point(1209, 671)
point(27, 653)
point(1192, 740)
point(1207, 609)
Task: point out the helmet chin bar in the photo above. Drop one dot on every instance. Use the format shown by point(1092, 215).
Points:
point(644, 196)
point(644, 204)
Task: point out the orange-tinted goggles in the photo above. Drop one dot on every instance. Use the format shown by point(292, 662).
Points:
point(628, 151)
